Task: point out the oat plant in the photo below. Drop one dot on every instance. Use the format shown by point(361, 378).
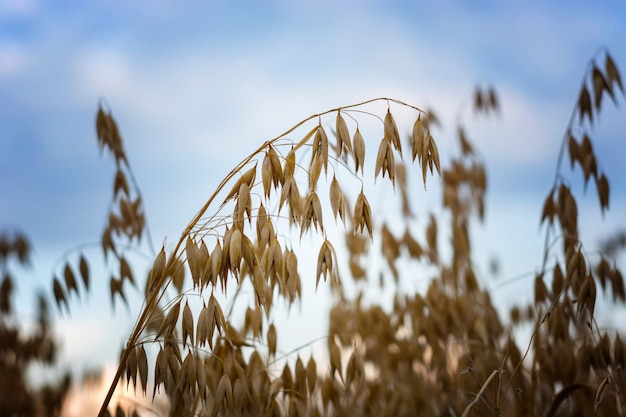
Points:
point(441, 351)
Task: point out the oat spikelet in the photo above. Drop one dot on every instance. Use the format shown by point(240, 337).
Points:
point(83, 267)
point(311, 214)
point(271, 340)
point(359, 151)
point(417, 139)
point(311, 374)
point(167, 326)
point(142, 367)
point(385, 160)
point(337, 200)
point(187, 325)
point(248, 178)
point(391, 131)
point(344, 146)
point(612, 73)
point(335, 357)
point(326, 264)
point(224, 392)
point(362, 215)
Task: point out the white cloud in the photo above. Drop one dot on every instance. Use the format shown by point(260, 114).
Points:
point(12, 59)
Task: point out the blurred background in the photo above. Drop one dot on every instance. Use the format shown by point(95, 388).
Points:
point(196, 86)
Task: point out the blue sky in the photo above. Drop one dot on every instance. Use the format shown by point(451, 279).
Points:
point(196, 85)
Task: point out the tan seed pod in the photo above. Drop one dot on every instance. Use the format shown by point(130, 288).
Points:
point(102, 128)
point(216, 261)
point(158, 270)
point(295, 202)
point(549, 209)
point(224, 392)
point(267, 174)
point(359, 151)
point(247, 178)
point(413, 247)
point(271, 340)
point(248, 253)
point(599, 86)
point(160, 370)
point(584, 105)
point(235, 248)
point(362, 215)
point(125, 271)
point(286, 191)
point(84, 270)
point(312, 213)
point(277, 170)
point(203, 264)
point(167, 326)
point(220, 322)
point(557, 281)
point(343, 136)
point(275, 387)
point(602, 184)
point(131, 367)
point(205, 321)
point(425, 156)
point(311, 374)
point(301, 381)
point(70, 279)
point(337, 200)
point(287, 378)
point(434, 153)
point(335, 357)
point(315, 171)
point(417, 139)
point(381, 157)
point(323, 143)
point(115, 287)
point(201, 377)
point(290, 164)
point(326, 264)
point(107, 242)
point(142, 367)
point(612, 73)
point(431, 234)
point(241, 395)
point(187, 325)
point(391, 131)
point(188, 377)
point(541, 292)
